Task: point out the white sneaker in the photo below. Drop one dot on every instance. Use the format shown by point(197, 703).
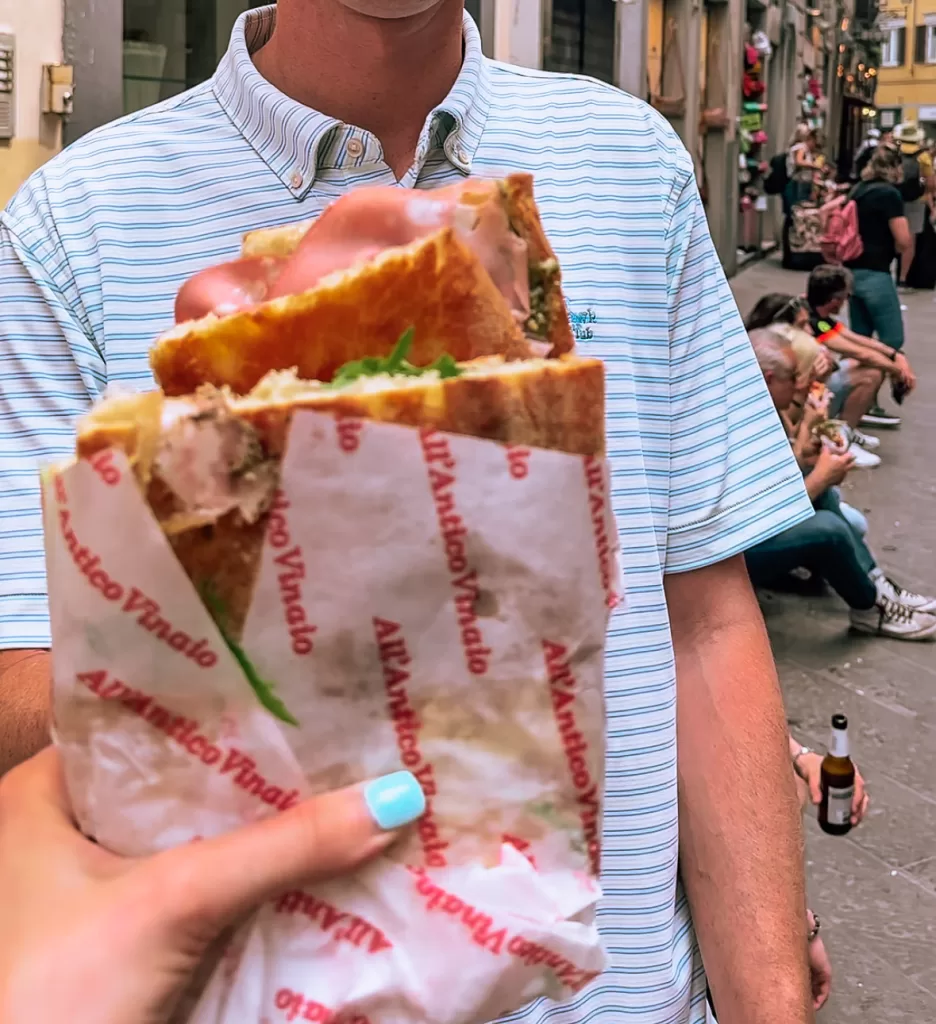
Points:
point(897, 621)
point(888, 590)
point(867, 441)
point(863, 459)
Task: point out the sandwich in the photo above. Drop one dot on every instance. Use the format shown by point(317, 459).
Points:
point(468, 267)
point(832, 434)
point(208, 463)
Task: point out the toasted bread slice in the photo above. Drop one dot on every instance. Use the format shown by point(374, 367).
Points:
point(435, 285)
point(517, 193)
point(554, 404)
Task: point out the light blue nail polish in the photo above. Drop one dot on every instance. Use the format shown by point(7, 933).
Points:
point(395, 800)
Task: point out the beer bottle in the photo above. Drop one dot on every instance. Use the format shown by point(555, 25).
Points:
point(837, 782)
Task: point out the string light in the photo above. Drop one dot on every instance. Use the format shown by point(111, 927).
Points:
point(844, 24)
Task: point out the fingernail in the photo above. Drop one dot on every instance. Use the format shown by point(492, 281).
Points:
point(395, 800)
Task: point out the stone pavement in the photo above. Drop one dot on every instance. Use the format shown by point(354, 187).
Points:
point(874, 889)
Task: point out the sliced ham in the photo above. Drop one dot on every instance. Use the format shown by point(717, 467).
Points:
point(358, 227)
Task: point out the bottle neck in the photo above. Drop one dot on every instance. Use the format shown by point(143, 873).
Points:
point(839, 745)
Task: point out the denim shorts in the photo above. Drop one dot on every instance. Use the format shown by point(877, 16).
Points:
point(874, 307)
point(840, 384)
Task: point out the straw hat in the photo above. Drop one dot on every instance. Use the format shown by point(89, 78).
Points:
point(909, 134)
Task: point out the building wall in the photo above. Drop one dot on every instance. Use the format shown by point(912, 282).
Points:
point(37, 25)
point(909, 90)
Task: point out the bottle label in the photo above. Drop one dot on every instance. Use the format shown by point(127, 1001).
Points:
point(839, 804)
point(839, 745)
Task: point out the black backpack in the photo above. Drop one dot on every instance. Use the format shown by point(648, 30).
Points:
point(777, 178)
point(911, 188)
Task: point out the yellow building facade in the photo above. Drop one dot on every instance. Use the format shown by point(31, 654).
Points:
point(906, 89)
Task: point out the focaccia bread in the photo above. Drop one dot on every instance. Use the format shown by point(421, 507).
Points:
point(468, 267)
point(208, 463)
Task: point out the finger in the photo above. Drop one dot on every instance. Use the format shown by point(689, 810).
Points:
point(859, 812)
point(815, 789)
point(859, 793)
point(212, 883)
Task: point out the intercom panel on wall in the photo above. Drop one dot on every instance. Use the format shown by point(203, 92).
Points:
point(7, 97)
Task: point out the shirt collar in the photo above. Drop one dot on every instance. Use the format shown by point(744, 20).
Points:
point(297, 143)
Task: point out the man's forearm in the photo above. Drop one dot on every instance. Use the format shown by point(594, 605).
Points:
point(25, 693)
point(740, 840)
point(868, 343)
point(878, 358)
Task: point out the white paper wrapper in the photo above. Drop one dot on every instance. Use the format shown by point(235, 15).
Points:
point(427, 601)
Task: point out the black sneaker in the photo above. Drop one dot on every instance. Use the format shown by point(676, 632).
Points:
point(877, 417)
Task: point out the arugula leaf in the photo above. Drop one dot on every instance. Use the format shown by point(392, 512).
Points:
point(264, 690)
point(394, 365)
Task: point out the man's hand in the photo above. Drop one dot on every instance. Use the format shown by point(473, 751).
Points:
point(816, 409)
point(823, 365)
point(830, 470)
point(809, 768)
point(820, 973)
point(740, 845)
point(903, 371)
point(25, 701)
point(93, 938)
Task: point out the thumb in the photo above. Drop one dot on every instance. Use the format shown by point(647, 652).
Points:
point(212, 883)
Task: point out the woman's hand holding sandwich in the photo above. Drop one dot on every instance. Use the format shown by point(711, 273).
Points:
point(95, 938)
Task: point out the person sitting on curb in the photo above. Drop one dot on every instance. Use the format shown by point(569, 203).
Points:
point(827, 291)
point(826, 543)
point(853, 384)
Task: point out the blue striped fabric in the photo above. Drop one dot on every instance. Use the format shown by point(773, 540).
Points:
point(95, 245)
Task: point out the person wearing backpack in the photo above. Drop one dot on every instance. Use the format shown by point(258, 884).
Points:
point(874, 307)
point(917, 179)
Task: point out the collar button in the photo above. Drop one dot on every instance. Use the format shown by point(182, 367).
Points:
point(355, 148)
point(296, 179)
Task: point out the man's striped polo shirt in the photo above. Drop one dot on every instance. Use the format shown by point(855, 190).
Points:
point(96, 244)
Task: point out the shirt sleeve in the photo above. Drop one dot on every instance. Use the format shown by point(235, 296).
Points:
point(733, 481)
point(891, 203)
point(50, 373)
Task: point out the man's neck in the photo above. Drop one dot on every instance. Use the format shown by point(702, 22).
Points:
point(382, 75)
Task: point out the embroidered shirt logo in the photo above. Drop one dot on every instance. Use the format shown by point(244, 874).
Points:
point(581, 324)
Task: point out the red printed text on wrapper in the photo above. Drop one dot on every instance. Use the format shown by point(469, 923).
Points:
point(190, 737)
point(395, 661)
point(338, 924)
point(296, 1006)
point(563, 691)
point(518, 461)
point(131, 600)
point(349, 433)
point(292, 573)
point(441, 467)
point(596, 482)
point(484, 932)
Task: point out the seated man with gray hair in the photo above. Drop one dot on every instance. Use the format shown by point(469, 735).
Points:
point(827, 544)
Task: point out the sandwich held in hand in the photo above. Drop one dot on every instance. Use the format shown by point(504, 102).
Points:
point(468, 267)
point(404, 559)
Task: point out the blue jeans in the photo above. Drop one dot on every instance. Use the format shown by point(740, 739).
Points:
point(874, 307)
point(828, 546)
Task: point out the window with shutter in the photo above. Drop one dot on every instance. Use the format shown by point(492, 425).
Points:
point(930, 53)
point(919, 46)
point(893, 50)
point(582, 38)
